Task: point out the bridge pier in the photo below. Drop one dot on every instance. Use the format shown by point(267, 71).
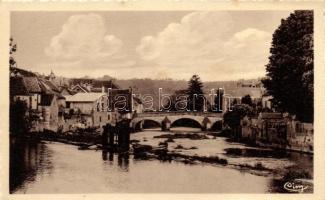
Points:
point(206, 124)
point(165, 124)
point(141, 126)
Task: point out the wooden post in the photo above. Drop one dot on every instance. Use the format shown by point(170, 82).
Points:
point(124, 135)
point(111, 132)
point(105, 135)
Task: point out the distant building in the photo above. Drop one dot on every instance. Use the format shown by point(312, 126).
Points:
point(92, 85)
point(137, 105)
point(267, 102)
point(278, 130)
point(64, 90)
point(92, 107)
point(273, 127)
point(80, 88)
point(249, 84)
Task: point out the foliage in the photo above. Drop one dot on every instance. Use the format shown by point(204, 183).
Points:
point(247, 100)
point(12, 50)
point(297, 174)
point(19, 120)
point(232, 118)
point(195, 101)
point(290, 71)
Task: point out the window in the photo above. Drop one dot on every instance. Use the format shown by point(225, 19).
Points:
point(108, 117)
point(68, 104)
point(100, 119)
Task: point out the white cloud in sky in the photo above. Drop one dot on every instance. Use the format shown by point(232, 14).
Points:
point(207, 43)
point(85, 43)
point(211, 44)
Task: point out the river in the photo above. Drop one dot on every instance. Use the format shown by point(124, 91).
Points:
point(51, 167)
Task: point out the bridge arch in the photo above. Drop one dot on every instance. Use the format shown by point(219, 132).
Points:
point(217, 126)
point(141, 124)
point(168, 119)
point(186, 121)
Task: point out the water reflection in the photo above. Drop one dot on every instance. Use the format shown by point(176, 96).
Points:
point(123, 161)
point(27, 159)
point(122, 158)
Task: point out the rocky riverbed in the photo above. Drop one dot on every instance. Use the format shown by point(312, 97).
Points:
point(207, 148)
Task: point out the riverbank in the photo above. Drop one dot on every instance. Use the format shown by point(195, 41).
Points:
point(275, 146)
point(82, 137)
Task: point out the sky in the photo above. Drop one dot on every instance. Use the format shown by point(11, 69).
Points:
point(216, 45)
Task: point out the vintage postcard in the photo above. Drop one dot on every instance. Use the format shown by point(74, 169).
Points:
point(172, 99)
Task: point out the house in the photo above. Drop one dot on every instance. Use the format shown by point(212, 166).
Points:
point(137, 106)
point(300, 136)
point(64, 90)
point(249, 128)
point(92, 85)
point(17, 72)
point(278, 130)
point(50, 111)
point(42, 97)
point(267, 101)
point(48, 87)
point(273, 127)
point(26, 89)
point(249, 83)
point(80, 88)
point(91, 107)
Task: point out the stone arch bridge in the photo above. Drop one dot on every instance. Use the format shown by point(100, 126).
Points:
point(166, 119)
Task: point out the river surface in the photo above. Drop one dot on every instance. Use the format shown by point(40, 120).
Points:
point(51, 167)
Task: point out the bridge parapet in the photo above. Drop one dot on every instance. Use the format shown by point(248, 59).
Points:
point(156, 114)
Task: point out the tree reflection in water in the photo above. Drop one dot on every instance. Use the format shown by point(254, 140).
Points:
point(27, 158)
point(122, 158)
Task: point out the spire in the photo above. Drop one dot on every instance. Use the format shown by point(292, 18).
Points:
point(52, 75)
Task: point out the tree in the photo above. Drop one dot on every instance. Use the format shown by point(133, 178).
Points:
point(12, 50)
point(232, 118)
point(195, 100)
point(247, 100)
point(19, 120)
point(290, 71)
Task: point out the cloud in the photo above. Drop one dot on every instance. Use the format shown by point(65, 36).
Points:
point(83, 36)
point(85, 46)
point(210, 44)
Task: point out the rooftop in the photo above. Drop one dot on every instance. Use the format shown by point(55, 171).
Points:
point(84, 97)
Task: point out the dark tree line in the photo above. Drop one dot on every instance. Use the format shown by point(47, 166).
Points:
point(290, 71)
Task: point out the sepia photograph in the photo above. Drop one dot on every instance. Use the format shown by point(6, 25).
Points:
point(170, 101)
